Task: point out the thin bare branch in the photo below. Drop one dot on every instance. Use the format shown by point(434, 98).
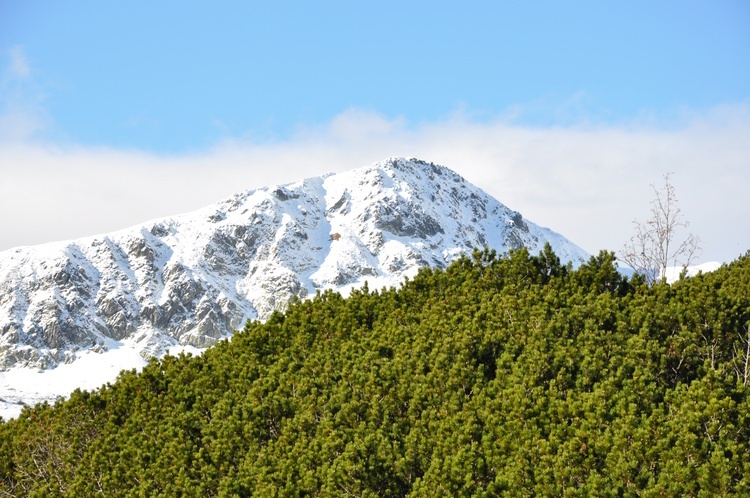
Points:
point(651, 250)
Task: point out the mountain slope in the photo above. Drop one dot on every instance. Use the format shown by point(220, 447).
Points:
point(191, 279)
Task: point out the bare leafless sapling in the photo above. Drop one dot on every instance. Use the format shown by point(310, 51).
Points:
point(654, 246)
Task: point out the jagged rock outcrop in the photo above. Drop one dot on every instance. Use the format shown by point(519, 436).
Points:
point(193, 279)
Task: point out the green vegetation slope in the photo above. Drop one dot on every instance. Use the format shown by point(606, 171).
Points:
point(512, 376)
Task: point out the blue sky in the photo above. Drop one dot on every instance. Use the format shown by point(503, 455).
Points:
point(552, 107)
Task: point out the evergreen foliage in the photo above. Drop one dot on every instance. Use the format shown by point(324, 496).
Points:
point(515, 376)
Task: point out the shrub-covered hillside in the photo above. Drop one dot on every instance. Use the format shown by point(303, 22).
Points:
point(509, 376)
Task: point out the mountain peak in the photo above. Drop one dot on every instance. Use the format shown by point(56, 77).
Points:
point(414, 168)
point(194, 278)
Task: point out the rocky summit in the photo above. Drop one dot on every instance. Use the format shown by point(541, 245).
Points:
point(192, 279)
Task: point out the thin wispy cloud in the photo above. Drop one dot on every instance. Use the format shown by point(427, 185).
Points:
point(22, 114)
point(19, 64)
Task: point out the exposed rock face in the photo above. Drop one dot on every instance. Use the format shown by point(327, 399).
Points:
point(193, 279)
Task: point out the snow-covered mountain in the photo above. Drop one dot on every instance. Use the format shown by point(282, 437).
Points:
point(192, 279)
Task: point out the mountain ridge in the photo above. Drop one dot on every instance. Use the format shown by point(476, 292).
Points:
point(192, 279)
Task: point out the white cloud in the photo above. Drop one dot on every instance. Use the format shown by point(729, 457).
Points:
point(21, 114)
point(587, 183)
point(16, 124)
point(19, 64)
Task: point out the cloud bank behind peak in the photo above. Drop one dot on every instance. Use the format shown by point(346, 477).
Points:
point(586, 181)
